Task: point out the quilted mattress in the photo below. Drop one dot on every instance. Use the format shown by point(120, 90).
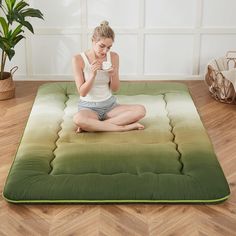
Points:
point(171, 160)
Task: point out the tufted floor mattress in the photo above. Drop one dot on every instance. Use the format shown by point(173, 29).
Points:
point(171, 160)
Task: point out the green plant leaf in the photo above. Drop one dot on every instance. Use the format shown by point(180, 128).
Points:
point(20, 5)
point(1, 43)
point(32, 13)
point(4, 25)
point(18, 38)
point(17, 31)
point(10, 53)
point(13, 3)
point(6, 44)
point(10, 17)
point(27, 25)
point(9, 4)
point(19, 17)
point(8, 36)
point(3, 7)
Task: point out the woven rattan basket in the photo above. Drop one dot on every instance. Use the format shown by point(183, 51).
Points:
point(220, 78)
point(7, 87)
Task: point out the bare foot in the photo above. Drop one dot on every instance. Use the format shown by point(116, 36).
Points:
point(134, 126)
point(78, 130)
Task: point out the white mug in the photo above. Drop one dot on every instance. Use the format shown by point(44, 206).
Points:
point(106, 65)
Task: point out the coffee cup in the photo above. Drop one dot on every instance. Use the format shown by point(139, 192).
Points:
point(106, 65)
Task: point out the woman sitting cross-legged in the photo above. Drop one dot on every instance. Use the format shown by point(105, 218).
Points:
point(96, 74)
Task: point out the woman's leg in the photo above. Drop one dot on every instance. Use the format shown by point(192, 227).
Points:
point(88, 120)
point(126, 114)
point(81, 115)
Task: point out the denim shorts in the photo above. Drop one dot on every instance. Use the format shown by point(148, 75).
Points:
point(101, 108)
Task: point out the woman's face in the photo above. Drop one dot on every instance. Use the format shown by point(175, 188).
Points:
point(102, 46)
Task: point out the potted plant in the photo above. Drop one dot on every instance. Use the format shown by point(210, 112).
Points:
point(13, 19)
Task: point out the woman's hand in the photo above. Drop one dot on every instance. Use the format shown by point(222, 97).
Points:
point(96, 65)
point(111, 72)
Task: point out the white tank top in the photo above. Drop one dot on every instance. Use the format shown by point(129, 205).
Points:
point(100, 90)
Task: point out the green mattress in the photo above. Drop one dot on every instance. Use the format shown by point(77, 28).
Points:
point(171, 160)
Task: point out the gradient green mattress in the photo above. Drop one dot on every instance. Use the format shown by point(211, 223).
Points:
point(172, 160)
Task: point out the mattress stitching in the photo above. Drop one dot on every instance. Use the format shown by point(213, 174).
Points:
point(174, 136)
point(170, 124)
point(58, 133)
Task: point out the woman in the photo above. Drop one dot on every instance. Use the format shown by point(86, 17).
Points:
point(96, 74)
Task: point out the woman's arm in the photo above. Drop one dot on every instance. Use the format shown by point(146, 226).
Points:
point(114, 72)
point(83, 86)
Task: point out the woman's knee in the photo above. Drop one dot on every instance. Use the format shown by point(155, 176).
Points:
point(140, 111)
point(79, 119)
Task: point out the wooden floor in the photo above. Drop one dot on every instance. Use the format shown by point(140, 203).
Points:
point(125, 219)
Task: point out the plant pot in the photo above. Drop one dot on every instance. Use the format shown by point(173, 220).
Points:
point(7, 87)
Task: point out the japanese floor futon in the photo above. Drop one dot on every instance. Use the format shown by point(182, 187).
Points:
point(172, 160)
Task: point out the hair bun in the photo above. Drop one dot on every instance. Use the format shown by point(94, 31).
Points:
point(103, 31)
point(104, 23)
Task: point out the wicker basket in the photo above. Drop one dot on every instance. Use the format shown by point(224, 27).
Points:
point(220, 86)
point(7, 87)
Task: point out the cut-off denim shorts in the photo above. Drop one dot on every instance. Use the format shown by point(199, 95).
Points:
point(101, 108)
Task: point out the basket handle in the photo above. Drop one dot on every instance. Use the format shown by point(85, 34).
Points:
point(231, 55)
point(13, 69)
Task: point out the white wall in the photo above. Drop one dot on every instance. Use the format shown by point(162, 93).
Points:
point(156, 39)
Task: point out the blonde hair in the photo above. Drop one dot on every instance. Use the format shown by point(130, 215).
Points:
point(103, 31)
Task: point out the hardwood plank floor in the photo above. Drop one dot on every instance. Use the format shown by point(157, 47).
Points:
point(120, 219)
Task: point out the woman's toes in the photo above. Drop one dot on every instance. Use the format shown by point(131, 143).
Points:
point(139, 126)
point(79, 130)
